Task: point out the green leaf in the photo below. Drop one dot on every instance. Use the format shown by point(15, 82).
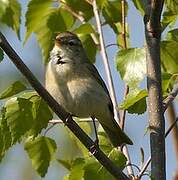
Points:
point(169, 57)
point(19, 117)
point(139, 5)
point(1, 55)
point(84, 29)
point(3, 6)
point(112, 11)
point(60, 20)
point(37, 13)
point(104, 142)
point(89, 46)
point(14, 88)
point(36, 21)
point(172, 5)
point(118, 158)
point(166, 79)
point(135, 102)
point(5, 135)
point(66, 163)
point(169, 19)
point(41, 151)
point(77, 169)
point(131, 64)
point(172, 35)
point(86, 127)
point(12, 16)
point(41, 115)
point(92, 168)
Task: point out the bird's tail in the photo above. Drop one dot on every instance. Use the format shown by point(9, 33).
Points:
point(116, 135)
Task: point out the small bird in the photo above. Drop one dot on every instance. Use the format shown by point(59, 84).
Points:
point(77, 86)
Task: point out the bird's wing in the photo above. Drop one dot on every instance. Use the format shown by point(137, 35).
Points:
point(98, 78)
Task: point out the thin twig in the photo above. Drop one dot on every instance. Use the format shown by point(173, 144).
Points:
point(170, 97)
point(60, 112)
point(74, 13)
point(105, 60)
point(126, 91)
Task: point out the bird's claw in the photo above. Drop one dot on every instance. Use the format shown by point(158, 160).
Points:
point(94, 148)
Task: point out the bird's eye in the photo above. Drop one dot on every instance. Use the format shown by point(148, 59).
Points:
point(72, 42)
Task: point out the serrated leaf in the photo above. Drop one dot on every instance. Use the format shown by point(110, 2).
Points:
point(19, 117)
point(84, 29)
point(77, 169)
point(41, 115)
point(135, 102)
point(36, 21)
point(131, 64)
point(169, 57)
point(6, 140)
point(66, 163)
point(37, 11)
point(41, 151)
point(1, 55)
point(60, 20)
point(5, 130)
point(12, 16)
point(13, 89)
point(89, 46)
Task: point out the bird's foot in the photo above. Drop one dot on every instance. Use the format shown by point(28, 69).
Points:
point(67, 119)
point(94, 148)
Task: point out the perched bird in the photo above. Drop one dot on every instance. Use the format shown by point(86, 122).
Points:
point(77, 86)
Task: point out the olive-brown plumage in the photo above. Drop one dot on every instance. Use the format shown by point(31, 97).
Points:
point(77, 86)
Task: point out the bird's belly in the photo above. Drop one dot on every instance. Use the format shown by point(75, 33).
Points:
point(83, 98)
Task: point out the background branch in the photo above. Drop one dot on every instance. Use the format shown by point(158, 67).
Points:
point(155, 107)
point(61, 113)
point(105, 60)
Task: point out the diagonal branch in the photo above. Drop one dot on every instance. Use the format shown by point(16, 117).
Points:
point(61, 113)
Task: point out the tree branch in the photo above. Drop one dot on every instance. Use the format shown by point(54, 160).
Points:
point(155, 107)
point(61, 113)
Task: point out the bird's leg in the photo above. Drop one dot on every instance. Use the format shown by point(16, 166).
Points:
point(95, 130)
point(95, 146)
